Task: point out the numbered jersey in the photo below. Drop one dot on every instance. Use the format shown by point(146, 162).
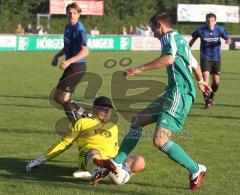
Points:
point(180, 72)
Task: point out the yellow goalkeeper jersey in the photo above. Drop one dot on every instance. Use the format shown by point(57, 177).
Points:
point(89, 133)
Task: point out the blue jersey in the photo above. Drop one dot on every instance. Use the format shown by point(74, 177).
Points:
point(210, 41)
point(74, 38)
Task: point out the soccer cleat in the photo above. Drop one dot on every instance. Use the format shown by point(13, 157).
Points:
point(196, 178)
point(81, 174)
point(209, 100)
point(209, 103)
point(35, 163)
point(98, 174)
point(108, 164)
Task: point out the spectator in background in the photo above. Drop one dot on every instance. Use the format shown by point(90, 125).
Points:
point(144, 30)
point(94, 31)
point(124, 31)
point(28, 29)
point(148, 31)
point(131, 30)
point(140, 30)
point(41, 30)
point(19, 30)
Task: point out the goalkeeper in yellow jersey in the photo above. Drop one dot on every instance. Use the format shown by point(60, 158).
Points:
point(96, 138)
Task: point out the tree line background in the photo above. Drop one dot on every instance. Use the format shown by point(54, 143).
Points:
point(117, 14)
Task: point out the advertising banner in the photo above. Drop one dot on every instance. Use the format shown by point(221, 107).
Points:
point(140, 43)
point(114, 43)
point(39, 43)
point(95, 43)
point(89, 7)
point(235, 43)
point(198, 12)
point(52, 43)
point(8, 43)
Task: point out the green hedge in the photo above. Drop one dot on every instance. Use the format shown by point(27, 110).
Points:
point(117, 14)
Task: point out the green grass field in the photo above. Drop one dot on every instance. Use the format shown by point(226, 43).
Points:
point(27, 129)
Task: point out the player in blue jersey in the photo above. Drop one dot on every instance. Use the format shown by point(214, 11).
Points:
point(75, 50)
point(210, 35)
point(170, 110)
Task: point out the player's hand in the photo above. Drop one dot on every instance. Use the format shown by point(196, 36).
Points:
point(54, 61)
point(204, 87)
point(131, 72)
point(229, 41)
point(64, 65)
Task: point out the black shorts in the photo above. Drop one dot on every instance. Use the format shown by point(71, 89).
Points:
point(211, 66)
point(71, 76)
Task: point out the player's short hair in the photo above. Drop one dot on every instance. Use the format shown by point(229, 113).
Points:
point(211, 15)
point(74, 6)
point(162, 17)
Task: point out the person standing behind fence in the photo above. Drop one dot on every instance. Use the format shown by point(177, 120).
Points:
point(19, 30)
point(28, 30)
point(210, 47)
point(94, 31)
point(75, 50)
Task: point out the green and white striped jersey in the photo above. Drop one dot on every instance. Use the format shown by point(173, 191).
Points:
point(180, 72)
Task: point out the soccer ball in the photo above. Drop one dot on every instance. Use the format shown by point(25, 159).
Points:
point(121, 177)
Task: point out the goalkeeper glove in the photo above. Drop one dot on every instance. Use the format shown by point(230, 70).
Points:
point(35, 163)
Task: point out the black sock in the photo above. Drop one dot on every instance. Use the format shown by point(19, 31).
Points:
point(205, 96)
point(214, 90)
point(71, 109)
point(214, 87)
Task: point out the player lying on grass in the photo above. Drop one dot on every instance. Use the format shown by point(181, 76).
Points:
point(170, 110)
point(96, 137)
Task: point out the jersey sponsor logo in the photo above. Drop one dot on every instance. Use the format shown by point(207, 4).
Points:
point(103, 132)
point(209, 40)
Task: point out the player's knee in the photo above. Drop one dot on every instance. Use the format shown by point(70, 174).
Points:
point(133, 122)
point(136, 122)
point(159, 142)
point(135, 163)
point(139, 164)
point(91, 155)
point(60, 99)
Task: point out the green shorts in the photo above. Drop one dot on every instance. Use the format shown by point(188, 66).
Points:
point(170, 110)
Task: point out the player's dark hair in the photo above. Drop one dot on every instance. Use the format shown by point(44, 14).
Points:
point(74, 6)
point(211, 15)
point(162, 17)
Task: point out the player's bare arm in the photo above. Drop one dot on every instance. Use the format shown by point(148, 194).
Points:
point(161, 62)
point(192, 41)
point(56, 56)
point(81, 54)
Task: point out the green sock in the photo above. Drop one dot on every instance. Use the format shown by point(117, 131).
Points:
point(128, 144)
point(177, 154)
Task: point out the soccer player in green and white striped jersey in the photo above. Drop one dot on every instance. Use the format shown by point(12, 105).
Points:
point(170, 110)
